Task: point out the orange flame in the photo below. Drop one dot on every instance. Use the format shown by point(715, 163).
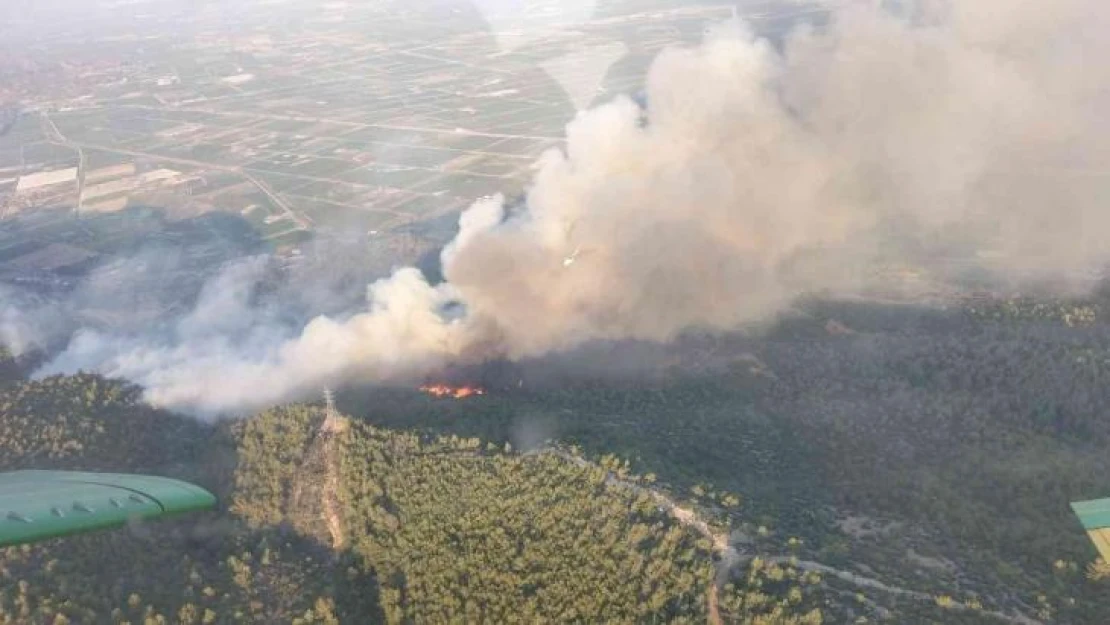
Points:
point(453, 392)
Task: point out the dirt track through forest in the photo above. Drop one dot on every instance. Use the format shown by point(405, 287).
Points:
point(730, 557)
point(333, 426)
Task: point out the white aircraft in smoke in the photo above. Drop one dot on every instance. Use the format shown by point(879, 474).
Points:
point(578, 251)
point(573, 257)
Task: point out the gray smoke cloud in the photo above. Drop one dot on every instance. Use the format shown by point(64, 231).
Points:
point(24, 323)
point(755, 175)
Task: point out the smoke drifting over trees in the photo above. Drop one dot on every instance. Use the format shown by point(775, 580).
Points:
point(755, 175)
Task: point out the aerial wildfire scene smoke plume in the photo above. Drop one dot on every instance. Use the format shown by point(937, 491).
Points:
point(753, 173)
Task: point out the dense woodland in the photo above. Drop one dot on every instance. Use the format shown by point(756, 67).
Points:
point(434, 529)
point(454, 529)
point(933, 451)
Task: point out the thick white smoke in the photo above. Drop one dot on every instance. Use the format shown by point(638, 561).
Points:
point(754, 176)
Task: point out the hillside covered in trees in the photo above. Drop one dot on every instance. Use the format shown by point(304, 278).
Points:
point(858, 463)
point(934, 449)
point(358, 525)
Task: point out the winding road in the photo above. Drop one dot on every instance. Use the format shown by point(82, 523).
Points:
point(731, 557)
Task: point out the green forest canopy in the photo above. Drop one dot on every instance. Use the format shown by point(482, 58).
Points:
point(956, 436)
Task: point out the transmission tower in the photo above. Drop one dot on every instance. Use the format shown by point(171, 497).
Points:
point(329, 405)
point(333, 421)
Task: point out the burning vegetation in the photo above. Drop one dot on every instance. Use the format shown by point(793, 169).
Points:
point(453, 392)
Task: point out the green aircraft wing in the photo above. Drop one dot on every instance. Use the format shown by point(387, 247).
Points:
point(1095, 517)
point(36, 505)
